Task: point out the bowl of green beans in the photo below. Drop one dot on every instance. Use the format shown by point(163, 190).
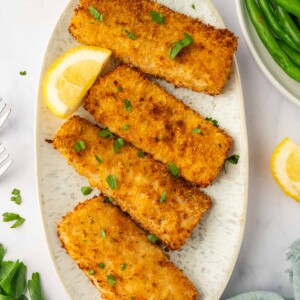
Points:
point(272, 32)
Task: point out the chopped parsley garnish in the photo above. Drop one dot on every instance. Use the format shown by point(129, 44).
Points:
point(103, 233)
point(23, 73)
point(91, 272)
point(79, 146)
point(120, 89)
point(98, 159)
point(123, 267)
point(111, 280)
point(152, 238)
point(163, 197)
point(130, 34)
point(8, 217)
point(101, 265)
point(193, 6)
point(108, 200)
point(157, 17)
point(176, 47)
point(105, 133)
point(95, 13)
point(234, 159)
point(215, 122)
point(196, 130)
point(131, 298)
point(16, 196)
point(112, 181)
point(118, 143)
point(127, 105)
point(86, 190)
point(125, 127)
point(141, 153)
point(173, 169)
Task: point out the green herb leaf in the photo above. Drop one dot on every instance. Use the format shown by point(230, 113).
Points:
point(196, 130)
point(176, 47)
point(2, 253)
point(157, 17)
point(95, 13)
point(18, 223)
point(234, 159)
point(108, 200)
point(23, 73)
point(130, 34)
point(112, 181)
point(123, 267)
point(141, 153)
point(98, 159)
point(163, 197)
point(131, 298)
point(127, 105)
point(152, 238)
point(125, 127)
point(173, 169)
point(118, 143)
point(105, 133)
point(101, 265)
point(111, 280)
point(120, 89)
point(34, 287)
point(16, 196)
point(103, 233)
point(8, 271)
point(15, 192)
point(193, 6)
point(7, 217)
point(79, 146)
point(86, 190)
point(215, 122)
point(91, 272)
point(18, 281)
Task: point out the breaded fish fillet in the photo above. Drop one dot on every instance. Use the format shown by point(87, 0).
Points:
point(129, 31)
point(166, 207)
point(159, 124)
point(121, 263)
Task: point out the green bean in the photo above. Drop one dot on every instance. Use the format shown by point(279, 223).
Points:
point(274, 24)
point(291, 6)
point(294, 55)
point(288, 24)
point(282, 59)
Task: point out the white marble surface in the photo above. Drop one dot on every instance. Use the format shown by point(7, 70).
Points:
point(273, 219)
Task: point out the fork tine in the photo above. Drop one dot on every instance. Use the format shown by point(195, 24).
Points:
point(4, 158)
point(4, 117)
point(5, 167)
point(2, 150)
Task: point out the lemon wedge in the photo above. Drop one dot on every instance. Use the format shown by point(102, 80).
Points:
point(71, 76)
point(285, 167)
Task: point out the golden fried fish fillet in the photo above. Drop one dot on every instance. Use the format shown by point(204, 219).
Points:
point(159, 124)
point(164, 206)
point(121, 263)
point(203, 66)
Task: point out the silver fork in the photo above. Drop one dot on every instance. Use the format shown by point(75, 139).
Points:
point(4, 161)
point(6, 113)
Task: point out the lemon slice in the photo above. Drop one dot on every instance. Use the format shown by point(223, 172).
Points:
point(285, 167)
point(71, 76)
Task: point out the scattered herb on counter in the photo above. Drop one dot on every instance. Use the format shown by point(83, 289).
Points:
point(176, 47)
point(101, 265)
point(163, 197)
point(234, 159)
point(130, 34)
point(16, 196)
point(152, 238)
point(86, 190)
point(8, 217)
point(111, 280)
point(103, 233)
point(141, 153)
point(193, 6)
point(105, 133)
point(173, 169)
point(95, 13)
point(215, 122)
point(157, 17)
point(123, 267)
point(23, 73)
point(127, 105)
point(98, 159)
point(196, 130)
point(125, 127)
point(79, 146)
point(118, 143)
point(112, 181)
